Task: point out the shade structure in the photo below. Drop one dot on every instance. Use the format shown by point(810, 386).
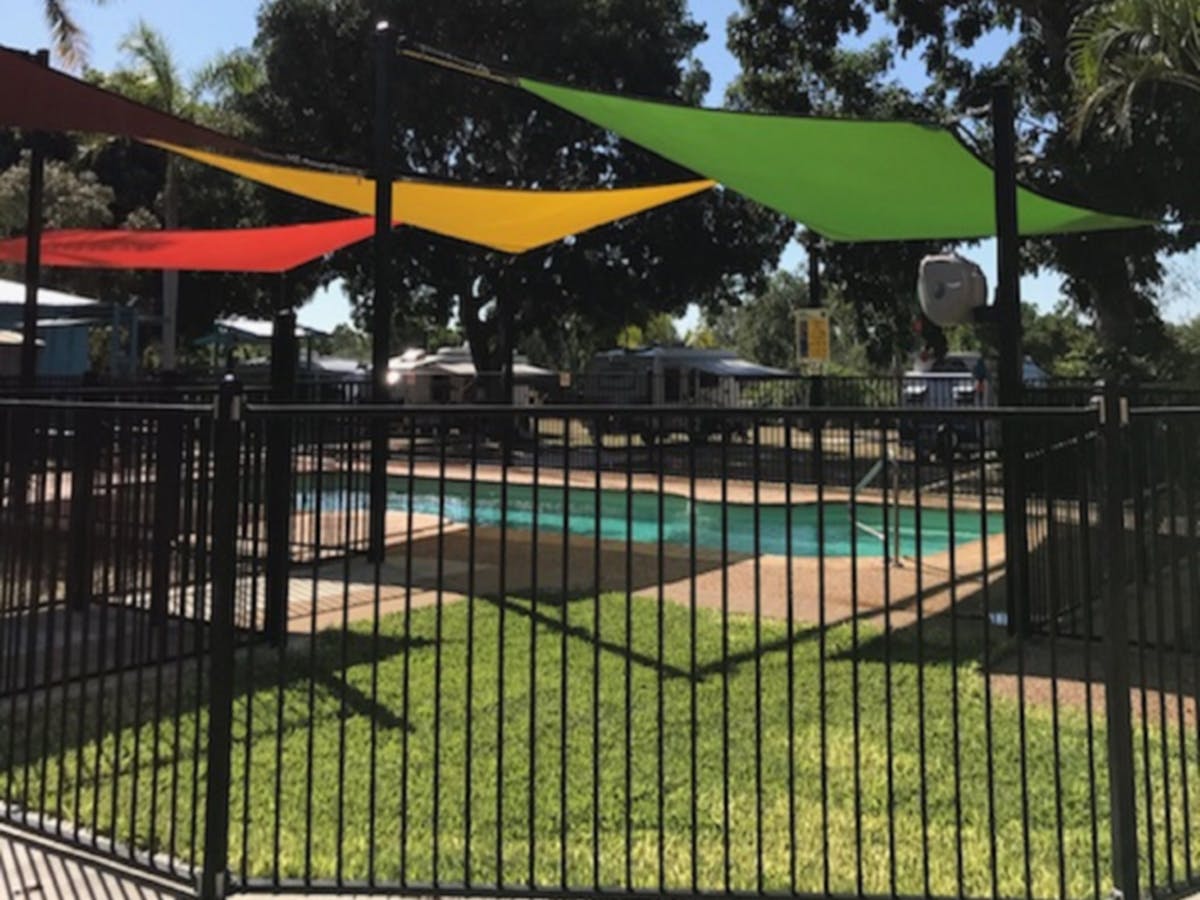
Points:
point(848, 180)
point(36, 97)
point(507, 219)
point(276, 249)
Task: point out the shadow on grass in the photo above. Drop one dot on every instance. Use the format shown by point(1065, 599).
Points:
point(112, 703)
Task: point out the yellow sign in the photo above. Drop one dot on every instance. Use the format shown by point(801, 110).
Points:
point(812, 335)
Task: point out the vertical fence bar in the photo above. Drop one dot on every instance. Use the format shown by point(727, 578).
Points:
point(1116, 671)
point(1008, 309)
point(214, 880)
point(166, 514)
point(80, 535)
point(279, 477)
point(381, 303)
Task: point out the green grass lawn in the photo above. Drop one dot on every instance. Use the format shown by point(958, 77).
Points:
point(330, 754)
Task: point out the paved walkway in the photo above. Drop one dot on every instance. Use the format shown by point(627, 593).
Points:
point(32, 868)
point(35, 869)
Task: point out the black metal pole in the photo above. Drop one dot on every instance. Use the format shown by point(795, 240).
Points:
point(1123, 818)
point(816, 395)
point(214, 878)
point(284, 359)
point(381, 322)
point(385, 49)
point(1008, 318)
point(1008, 275)
point(814, 272)
point(33, 248)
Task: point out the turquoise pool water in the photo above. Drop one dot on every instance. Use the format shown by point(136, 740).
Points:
point(736, 520)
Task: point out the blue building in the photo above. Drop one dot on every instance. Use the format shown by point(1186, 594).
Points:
point(65, 322)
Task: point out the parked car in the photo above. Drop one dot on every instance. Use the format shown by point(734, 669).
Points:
point(959, 380)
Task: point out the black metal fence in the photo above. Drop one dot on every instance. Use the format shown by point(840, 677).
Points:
point(535, 652)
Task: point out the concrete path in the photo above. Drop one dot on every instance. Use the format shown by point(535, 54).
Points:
point(33, 868)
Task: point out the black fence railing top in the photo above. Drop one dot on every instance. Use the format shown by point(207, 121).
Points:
point(585, 411)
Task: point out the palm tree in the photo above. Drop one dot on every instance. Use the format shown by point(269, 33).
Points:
point(1120, 47)
point(70, 43)
point(162, 86)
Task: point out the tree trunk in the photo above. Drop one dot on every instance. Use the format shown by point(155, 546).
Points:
point(170, 307)
point(482, 338)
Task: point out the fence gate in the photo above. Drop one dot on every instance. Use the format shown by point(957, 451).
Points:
point(105, 620)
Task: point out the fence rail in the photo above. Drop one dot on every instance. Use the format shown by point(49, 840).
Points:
point(534, 652)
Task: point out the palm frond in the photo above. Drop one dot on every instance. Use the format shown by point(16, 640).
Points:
point(1118, 49)
point(70, 43)
point(150, 52)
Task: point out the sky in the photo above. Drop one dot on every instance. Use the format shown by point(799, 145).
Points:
point(196, 31)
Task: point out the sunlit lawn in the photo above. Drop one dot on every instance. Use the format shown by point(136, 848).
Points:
point(324, 764)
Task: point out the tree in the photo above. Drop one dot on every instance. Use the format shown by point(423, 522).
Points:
point(317, 101)
point(70, 199)
point(787, 48)
point(762, 329)
point(876, 280)
point(659, 330)
point(1121, 48)
point(162, 86)
point(347, 342)
point(145, 178)
point(1060, 341)
point(70, 43)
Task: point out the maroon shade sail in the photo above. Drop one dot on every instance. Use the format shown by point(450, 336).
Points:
point(275, 249)
point(36, 97)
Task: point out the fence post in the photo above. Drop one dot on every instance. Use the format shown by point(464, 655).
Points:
point(279, 476)
point(79, 534)
point(1123, 811)
point(214, 878)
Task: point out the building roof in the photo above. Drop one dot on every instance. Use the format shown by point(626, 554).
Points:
point(238, 330)
point(12, 293)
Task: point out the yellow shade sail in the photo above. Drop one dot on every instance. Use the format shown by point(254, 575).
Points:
point(505, 219)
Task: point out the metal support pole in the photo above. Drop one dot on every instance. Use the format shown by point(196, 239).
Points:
point(214, 878)
point(1123, 816)
point(381, 312)
point(1008, 314)
point(279, 475)
point(33, 248)
point(385, 49)
point(814, 272)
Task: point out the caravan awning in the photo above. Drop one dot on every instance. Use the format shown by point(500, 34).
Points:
point(734, 367)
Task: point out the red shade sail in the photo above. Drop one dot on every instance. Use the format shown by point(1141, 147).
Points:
point(36, 97)
point(276, 249)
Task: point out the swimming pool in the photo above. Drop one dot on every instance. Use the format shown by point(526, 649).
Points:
point(712, 519)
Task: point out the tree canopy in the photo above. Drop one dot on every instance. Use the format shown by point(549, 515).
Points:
point(794, 59)
point(317, 101)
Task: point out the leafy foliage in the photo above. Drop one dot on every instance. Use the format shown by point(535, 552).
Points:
point(793, 60)
point(317, 101)
point(1120, 49)
point(876, 279)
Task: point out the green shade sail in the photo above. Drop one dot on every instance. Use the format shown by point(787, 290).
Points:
point(848, 180)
